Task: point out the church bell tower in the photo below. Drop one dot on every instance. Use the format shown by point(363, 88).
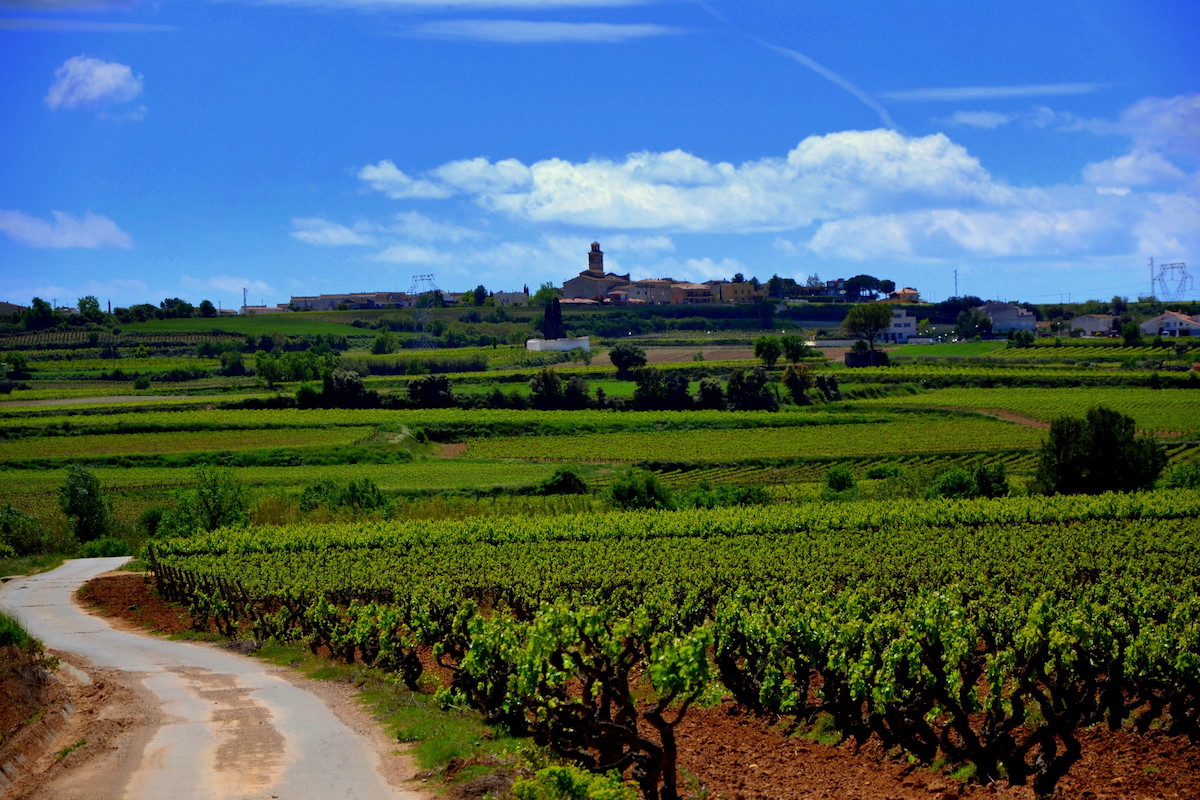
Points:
point(596, 260)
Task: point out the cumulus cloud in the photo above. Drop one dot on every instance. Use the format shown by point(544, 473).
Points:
point(1167, 124)
point(514, 31)
point(977, 119)
point(86, 82)
point(91, 231)
point(322, 232)
point(823, 176)
point(385, 177)
point(418, 226)
point(411, 254)
point(1138, 168)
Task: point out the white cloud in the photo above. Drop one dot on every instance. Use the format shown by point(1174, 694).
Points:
point(823, 177)
point(322, 232)
point(90, 231)
point(977, 119)
point(86, 82)
point(1170, 124)
point(514, 31)
point(961, 93)
point(418, 226)
point(385, 177)
point(1138, 168)
point(411, 254)
point(480, 176)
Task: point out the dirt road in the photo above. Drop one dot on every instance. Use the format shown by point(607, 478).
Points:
point(218, 725)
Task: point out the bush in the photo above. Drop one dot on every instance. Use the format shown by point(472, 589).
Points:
point(955, 482)
point(104, 547)
point(217, 501)
point(141, 383)
point(20, 533)
point(880, 471)
point(572, 783)
point(83, 504)
point(705, 496)
point(626, 356)
point(1100, 453)
point(839, 478)
point(638, 489)
point(150, 519)
point(1185, 475)
point(991, 480)
point(565, 480)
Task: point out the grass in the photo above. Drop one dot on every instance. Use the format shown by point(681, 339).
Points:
point(30, 565)
point(66, 751)
point(252, 325)
point(438, 737)
point(951, 349)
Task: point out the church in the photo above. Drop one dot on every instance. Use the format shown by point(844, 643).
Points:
point(594, 283)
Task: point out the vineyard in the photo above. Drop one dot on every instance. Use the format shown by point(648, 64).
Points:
point(810, 568)
point(978, 618)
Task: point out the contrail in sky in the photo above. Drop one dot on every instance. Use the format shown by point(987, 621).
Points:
point(826, 73)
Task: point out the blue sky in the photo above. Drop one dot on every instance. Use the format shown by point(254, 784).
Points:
point(190, 148)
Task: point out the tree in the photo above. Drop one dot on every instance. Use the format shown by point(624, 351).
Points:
point(545, 293)
point(861, 285)
point(738, 278)
point(173, 307)
point(384, 343)
point(865, 322)
point(39, 315)
point(798, 379)
point(432, 391)
point(552, 321)
point(710, 395)
point(207, 309)
point(267, 368)
point(84, 505)
point(1102, 452)
point(887, 286)
point(1131, 334)
point(795, 349)
point(814, 281)
point(638, 489)
point(626, 356)
point(768, 349)
point(217, 500)
point(546, 390)
point(748, 391)
point(971, 323)
point(89, 308)
point(479, 295)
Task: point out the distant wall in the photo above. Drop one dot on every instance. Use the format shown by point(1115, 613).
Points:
point(540, 345)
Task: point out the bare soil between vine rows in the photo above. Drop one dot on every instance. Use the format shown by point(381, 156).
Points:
point(725, 753)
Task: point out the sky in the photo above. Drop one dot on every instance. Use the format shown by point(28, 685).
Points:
point(1021, 150)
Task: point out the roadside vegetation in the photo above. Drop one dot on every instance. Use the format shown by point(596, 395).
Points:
point(703, 508)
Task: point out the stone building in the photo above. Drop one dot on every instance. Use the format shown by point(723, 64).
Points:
point(594, 283)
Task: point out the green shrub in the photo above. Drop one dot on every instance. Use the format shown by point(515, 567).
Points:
point(1185, 475)
point(1100, 453)
point(572, 783)
point(565, 480)
point(638, 489)
point(149, 520)
point(705, 496)
point(955, 482)
point(83, 504)
point(991, 480)
point(20, 533)
point(839, 478)
point(880, 471)
point(104, 547)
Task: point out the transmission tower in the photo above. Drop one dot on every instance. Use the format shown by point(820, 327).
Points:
point(1171, 281)
point(420, 292)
